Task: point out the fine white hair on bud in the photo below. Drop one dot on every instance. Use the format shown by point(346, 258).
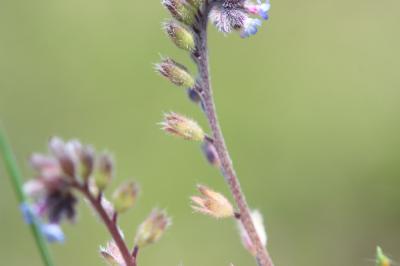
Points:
point(212, 203)
point(125, 196)
point(177, 73)
point(258, 222)
point(151, 230)
point(179, 35)
point(183, 127)
point(180, 10)
point(112, 255)
point(227, 20)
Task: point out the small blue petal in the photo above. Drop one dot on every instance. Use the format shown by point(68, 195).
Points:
point(53, 233)
point(263, 14)
point(27, 213)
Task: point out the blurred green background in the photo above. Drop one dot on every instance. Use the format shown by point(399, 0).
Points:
point(309, 106)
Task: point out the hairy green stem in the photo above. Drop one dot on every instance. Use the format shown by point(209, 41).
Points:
point(16, 180)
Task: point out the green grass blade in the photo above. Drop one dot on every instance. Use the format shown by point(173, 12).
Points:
point(16, 180)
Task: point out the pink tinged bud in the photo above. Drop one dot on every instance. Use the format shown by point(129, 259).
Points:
point(86, 157)
point(259, 226)
point(151, 230)
point(182, 37)
point(45, 165)
point(34, 188)
point(175, 72)
point(211, 154)
point(125, 196)
point(181, 126)
point(212, 203)
point(112, 255)
point(105, 171)
point(64, 153)
point(107, 206)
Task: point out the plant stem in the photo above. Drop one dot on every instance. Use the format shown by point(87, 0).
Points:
point(16, 179)
point(111, 226)
point(201, 59)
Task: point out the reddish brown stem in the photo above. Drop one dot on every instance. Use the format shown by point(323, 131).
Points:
point(110, 224)
point(201, 58)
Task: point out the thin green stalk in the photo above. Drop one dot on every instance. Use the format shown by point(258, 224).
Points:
point(16, 180)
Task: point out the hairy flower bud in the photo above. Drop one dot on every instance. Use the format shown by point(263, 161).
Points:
point(86, 157)
point(210, 153)
point(181, 126)
point(179, 35)
point(125, 196)
point(112, 255)
point(180, 10)
point(257, 219)
point(64, 152)
point(105, 171)
point(381, 258)
point(193, 95)
point(175, 72)
point(151, 230)
point(212, 203)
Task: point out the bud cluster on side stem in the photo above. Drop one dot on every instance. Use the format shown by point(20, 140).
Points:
point(70, 167)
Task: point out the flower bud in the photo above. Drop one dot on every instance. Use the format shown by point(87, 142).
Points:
point(112, 255)
point(125, 196)
point(259, 226)
point(151, 230)
point(180, 126)
point(180, 10)
point(381, 259)
point(105, 171)
point(212, 203)
point(175, 72)
point(193, 95)
point(179, 35)
point(65, 155)
point(211, 154)
point(86, 157)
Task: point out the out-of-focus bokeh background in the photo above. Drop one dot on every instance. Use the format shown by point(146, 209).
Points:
point(309, 106)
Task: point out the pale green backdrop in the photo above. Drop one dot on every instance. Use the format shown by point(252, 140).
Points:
point(310, 109)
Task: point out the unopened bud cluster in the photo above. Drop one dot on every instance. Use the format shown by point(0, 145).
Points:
point(70, 167)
